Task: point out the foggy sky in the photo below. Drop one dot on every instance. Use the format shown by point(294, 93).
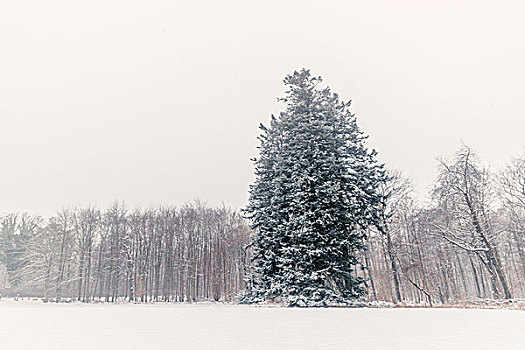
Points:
point(158, 102)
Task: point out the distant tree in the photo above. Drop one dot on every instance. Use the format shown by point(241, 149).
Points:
point(16, 233)
point(463, 195)
point(512, 192)
point(394, 193)
point(315, 192)
point(86, 225)
point(512, 184)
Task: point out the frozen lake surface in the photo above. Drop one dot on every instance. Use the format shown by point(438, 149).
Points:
point(34, 325)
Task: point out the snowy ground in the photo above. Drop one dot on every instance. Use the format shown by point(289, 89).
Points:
point(34, 325)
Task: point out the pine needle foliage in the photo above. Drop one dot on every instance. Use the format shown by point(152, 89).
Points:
point(314, 195)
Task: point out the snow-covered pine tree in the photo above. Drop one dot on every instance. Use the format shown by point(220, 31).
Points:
point(314, 194)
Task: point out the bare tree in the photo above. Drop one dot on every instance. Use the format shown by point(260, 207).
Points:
point(464, 194)
point(394, 191)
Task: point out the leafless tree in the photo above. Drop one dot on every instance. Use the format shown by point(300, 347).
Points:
point(464, 194)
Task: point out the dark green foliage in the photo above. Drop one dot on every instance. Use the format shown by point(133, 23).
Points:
point(314, 194)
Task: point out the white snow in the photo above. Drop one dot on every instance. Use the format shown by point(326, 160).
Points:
point(34, 325)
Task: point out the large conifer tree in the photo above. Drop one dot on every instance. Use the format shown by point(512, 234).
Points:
point(313, 196)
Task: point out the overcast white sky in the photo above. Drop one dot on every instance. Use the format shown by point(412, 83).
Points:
point(158, 102)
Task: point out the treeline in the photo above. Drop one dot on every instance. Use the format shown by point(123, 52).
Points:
point(189, 253)
point(467, 243)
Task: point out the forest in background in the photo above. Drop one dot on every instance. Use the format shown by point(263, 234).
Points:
point(466, 243)
point(189, 253)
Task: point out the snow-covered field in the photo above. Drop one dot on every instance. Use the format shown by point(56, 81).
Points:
point(34, 325)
